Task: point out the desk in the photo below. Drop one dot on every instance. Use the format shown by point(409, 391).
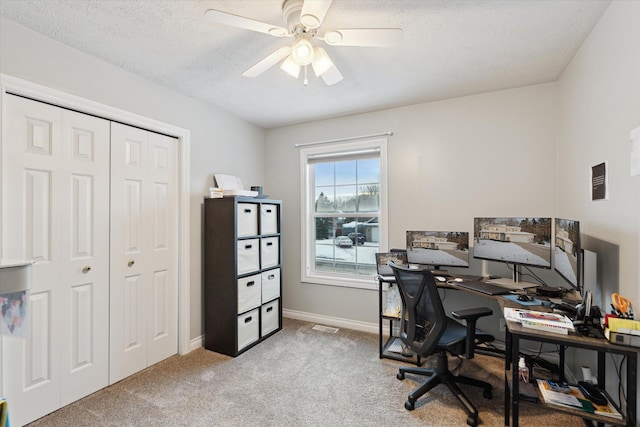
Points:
point(515, 332)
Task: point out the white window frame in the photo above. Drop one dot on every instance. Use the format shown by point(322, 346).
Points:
point(307, 197)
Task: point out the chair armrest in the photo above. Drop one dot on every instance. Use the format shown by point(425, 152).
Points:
point(471, 315)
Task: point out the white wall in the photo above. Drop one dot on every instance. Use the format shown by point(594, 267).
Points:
point(485, 155)
point(600, 104)
point(600, 98)
point(220, 142)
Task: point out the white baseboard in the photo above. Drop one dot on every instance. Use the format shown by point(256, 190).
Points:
point(195, 343)
point(331, 321)
point(373, 328)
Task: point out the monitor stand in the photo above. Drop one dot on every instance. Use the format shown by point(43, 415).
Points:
point(438, 272)
point(505, 282)
point(514, 282)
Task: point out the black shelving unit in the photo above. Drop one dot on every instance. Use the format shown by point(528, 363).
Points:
point(242, 272)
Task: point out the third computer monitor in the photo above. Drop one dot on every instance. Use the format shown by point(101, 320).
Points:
point(566, 256)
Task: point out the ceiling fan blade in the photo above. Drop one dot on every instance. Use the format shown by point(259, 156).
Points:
point(371, 37)
point(232, 20)
point(331, 76)
point(268, 62)
point(313, 12)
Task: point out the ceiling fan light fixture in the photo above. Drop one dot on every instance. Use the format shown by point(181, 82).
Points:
point(302, 51)
point(290, 67)
point(321, 62)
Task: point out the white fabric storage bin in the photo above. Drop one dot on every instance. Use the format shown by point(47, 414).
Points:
point(270, 252)
point(270, 317)
point(248, 328)
point(247, 219)
point(249, 292)
point(248, 256)
point(268, 219)
point(270, 284)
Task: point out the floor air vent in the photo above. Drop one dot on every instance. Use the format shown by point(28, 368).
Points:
point(325, 329)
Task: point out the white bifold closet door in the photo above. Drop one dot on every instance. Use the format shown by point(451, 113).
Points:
point(55, 212)
point(144, 245)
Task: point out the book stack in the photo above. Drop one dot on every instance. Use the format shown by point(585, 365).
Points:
point(548, 322)
point(571, 397)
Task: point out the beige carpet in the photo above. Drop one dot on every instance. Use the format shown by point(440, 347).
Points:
point(298, 377)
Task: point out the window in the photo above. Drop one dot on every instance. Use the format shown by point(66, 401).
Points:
point(344, 212)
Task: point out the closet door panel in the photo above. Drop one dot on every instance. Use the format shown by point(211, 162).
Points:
point(55, 175)
point(85, 254)
point(143, 243)
point(128, 352)
point(163, 333)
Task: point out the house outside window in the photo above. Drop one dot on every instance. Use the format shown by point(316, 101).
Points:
point(344, 212)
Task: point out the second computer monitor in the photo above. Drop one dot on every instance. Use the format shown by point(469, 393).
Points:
point(438, 248)
point(518, 241)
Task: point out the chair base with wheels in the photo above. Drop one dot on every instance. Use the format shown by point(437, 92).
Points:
point(442, 375)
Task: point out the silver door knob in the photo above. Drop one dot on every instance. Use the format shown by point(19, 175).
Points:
point(130, 263)
point(86, 269)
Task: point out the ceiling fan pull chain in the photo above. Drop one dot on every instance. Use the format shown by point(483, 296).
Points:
point(306, 81)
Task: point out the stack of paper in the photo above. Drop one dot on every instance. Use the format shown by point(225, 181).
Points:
point(573, 398)
point(232, 186)
point(549, 322)
point(216, 193)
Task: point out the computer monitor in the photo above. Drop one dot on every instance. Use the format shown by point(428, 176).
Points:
point(566, 255)
point(513, 240)
point(438, 248)
point(382, 259)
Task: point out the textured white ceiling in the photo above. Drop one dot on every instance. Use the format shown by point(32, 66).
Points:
point(449, 49)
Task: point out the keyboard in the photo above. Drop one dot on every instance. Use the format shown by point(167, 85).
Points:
point(484, 287)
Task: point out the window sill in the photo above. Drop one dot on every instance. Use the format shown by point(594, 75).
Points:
point(366, 282)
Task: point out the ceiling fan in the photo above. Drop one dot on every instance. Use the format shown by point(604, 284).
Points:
point(303, 19)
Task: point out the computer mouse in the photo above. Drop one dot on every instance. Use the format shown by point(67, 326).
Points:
point(457, 279)
point(524, 298)
point(440, 278)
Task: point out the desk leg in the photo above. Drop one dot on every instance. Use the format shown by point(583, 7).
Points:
point(632, 378)
point(515, 380)
point(507, 365)
point(601, 369)
point(380, 320)
point(563, 348)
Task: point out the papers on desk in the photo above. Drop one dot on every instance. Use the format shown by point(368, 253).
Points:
point(549, 322)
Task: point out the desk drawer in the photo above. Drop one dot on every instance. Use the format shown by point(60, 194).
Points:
point(270, 284)
point(268, 219)
point(249, 292)
point(270, 317)
point(270, 252)
point(247, 219)
point(248, 256)
point(248, 328)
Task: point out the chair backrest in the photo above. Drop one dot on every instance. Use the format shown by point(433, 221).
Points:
point(423, 319)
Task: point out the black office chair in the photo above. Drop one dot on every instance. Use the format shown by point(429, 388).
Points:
point(426, 329)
